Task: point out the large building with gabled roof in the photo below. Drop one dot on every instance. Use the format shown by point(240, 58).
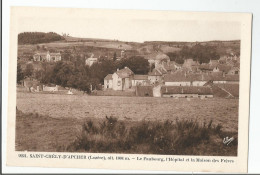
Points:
point(47, 56)
point(119, 80)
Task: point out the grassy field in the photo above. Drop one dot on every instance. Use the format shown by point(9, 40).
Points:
point(147, 125)
point(36, 132)
point(221, 111)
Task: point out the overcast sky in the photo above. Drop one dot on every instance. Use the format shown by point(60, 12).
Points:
point(132, 29)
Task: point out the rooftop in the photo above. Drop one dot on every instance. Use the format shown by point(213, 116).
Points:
point(201, 90)
point(140, 77)
point(155, 72)
point(108, 77)
point(124, 73)
point(179, 76)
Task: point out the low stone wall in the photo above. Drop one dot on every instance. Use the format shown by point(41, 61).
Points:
point(113, 93)
point(144, 91)
point(48, 88)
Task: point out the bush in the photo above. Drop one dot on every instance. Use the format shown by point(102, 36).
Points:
point(156, 137)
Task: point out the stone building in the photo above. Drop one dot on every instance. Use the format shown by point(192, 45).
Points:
point(49, 57)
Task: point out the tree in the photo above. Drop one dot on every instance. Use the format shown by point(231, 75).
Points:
point(39, 75)
point(44, 48)
point(152, 67)
point(172, 55)
point(20, 75)
point(98, 71)
point(137, 64)
point(68, 74)
point(38, 37)
point(179, 60)
point(31, 58)
point(114, 57)
point(28, 70)
point(66, 55)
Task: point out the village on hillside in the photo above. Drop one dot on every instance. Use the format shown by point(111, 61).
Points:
point(68, 65)
point(169, 79)
point(218, 78)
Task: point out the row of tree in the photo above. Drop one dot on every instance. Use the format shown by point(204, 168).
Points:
point(77, 75)
point(38, 37)
point(200, 53)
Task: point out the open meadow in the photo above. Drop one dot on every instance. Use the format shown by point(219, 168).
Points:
point(115, 124)
point(219, 110)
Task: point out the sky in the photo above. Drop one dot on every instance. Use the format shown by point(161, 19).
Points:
point(133, 29)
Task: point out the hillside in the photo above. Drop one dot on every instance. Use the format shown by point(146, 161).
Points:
point(32, 42)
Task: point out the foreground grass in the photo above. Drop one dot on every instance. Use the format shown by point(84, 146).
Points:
point(181, 137)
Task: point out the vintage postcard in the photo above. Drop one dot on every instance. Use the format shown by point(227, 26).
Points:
point(129, 89)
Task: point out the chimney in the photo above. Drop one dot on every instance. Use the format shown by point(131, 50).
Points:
point(117, 69)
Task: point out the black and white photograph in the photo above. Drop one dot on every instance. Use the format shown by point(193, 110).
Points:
point(118, 83)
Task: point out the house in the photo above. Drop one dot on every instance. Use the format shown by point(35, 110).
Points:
point(218, 78)
point(182, 78)
point(123, 54)
point(90, 61)
point(190, 63)
point(213, 63)
point(230, 59)
point(30, 83)
point(139, 80)
point(224, 68)
point(49, 57)
point(155, 76)
point(234, 71)
point(222, 60)
point(178, 78)
point(206, 68)
point(216, 69)
point(232, 79)
point(108, 82)
point(186, 92)
point(122, 79)
point(157, 59)
point(199, 79)
point(171, 66)
point(50, 88)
